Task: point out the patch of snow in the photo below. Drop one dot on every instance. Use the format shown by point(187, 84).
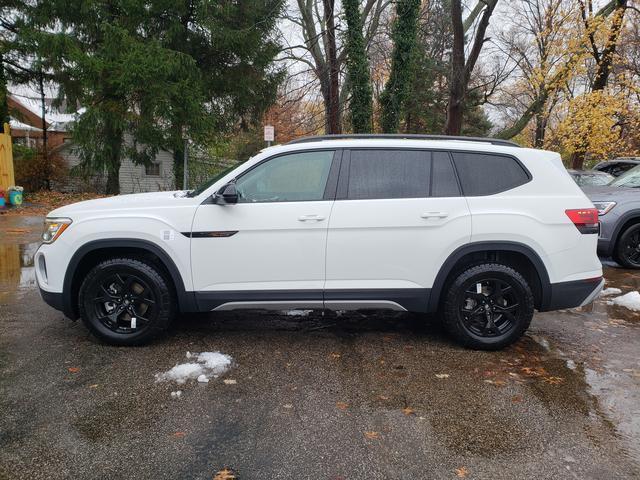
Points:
point(208, 364)
point(297, 313)
point(176, 394)
point(181, 373)
point(610, 291)
point(215, 361)
point(629, 300)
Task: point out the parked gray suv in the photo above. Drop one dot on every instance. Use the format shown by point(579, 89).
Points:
point(619, 216)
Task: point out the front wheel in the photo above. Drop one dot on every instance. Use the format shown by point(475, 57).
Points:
point(627, 251)
point(124, 301)
point(488, 306)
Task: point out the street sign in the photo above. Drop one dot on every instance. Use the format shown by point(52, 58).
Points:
point(269, 133)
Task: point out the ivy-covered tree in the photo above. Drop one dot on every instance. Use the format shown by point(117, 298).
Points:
point(404, 34)
point(360, 103)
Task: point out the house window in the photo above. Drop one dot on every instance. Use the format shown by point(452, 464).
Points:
point(152, 169)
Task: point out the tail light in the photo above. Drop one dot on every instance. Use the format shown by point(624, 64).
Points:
point(585, 219)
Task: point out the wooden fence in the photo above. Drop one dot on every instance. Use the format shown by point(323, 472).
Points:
point(7, 178)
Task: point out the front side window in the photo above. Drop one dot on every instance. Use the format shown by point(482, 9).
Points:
point(487, 174)
point(294, 177)
point(389, 174)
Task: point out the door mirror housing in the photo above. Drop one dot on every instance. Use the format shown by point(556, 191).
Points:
point(227, 195)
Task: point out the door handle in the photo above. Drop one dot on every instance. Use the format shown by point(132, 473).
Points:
point(434, 215)
point(310, 218)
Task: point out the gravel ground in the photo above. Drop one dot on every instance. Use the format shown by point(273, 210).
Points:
point(312, 396)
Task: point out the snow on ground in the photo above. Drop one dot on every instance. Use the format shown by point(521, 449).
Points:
point(629, 300)
point(610, 291)
point(206, 365)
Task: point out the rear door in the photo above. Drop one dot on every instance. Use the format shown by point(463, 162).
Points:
point(398, 215)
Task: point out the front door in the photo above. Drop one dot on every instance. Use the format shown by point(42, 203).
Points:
point(398, 215)
point(268, 250)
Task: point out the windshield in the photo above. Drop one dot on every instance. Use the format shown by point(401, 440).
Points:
point(630, 179)
point(586, 179)
point(211, 181)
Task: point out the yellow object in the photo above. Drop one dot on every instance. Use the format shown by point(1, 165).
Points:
point(7, 178)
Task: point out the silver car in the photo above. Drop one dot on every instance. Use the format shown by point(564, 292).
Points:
point(618, 207)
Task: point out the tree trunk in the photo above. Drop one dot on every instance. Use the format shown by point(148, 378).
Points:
point(113, 140)
point(333, 100)
point(457, 88)
point(4, 107)
point(45, 141)
point(541, 126)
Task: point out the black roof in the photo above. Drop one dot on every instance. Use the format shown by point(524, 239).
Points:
point(403, 136)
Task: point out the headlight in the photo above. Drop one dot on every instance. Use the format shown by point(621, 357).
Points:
point(53, 228)
point(604, 207)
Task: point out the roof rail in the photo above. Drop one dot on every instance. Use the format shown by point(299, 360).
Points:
point(404, 136)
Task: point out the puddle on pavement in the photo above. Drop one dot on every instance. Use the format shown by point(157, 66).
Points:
point(17, 273)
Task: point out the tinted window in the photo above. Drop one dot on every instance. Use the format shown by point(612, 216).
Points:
point(485, 174)
point(444, 182)
point(389, 174)
point(289, 178)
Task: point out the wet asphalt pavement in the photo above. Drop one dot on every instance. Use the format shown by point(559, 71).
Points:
point(381, 396)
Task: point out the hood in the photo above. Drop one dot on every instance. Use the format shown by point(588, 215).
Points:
point(121, 202)
point(606, 192)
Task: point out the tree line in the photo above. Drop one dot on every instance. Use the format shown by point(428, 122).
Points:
point(148, 74)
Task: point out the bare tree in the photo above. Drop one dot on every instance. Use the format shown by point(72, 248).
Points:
point(461, 67)
point(322, 52)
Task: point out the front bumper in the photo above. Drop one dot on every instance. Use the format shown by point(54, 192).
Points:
point(52, 299)
point(574, 294)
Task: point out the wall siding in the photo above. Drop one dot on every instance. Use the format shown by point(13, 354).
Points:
point(133, 178)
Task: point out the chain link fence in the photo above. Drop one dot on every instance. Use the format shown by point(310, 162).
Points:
point(202, 167)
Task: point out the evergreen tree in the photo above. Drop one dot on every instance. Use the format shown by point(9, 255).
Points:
point(144, 74)
point(360, 104)
point(404, 34)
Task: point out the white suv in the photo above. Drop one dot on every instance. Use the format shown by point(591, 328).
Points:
point(479, 230)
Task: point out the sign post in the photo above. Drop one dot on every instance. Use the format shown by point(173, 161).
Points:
point(269, 134)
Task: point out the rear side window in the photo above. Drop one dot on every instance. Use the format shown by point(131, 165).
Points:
point(389, 174)
point(486, 174)
point(443, 182)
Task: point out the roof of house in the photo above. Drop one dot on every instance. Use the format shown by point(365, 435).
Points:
point(30, 101)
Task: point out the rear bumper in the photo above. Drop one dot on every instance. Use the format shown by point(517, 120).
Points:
point(574, 294)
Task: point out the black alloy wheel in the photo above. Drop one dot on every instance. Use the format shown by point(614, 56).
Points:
point(488, 306)
point(627, 251)
point(126, 301)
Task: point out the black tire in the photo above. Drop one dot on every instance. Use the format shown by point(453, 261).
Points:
point(495, 316)
point(627, 252)
point(124, 301)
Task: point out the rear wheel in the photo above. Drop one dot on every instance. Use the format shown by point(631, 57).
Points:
point(126, 302)
point(488, 306)
point(627, 251)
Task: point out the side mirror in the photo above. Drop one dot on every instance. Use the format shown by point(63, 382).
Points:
point(226, 195)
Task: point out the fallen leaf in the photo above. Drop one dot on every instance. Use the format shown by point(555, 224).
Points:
point(95, 385)
point(516, 398)
point(383, 397)
point(335, 355)
point(179, 434)
point(287, 406)
point(408, 411)
point(73, 369)
point(553, 380)
point(442, 375)
point(230, 381)
point(462, 472)
point(372, 435)
point(225, 474)
point(342, 405)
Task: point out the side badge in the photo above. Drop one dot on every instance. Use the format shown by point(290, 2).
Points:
point(168, 235)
